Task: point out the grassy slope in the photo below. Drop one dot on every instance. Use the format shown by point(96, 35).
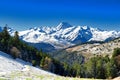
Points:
point(32, 76)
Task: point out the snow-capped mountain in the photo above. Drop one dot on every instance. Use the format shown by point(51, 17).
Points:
point(65, 35)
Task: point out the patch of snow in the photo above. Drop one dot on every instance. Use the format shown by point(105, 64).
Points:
point(8, 65)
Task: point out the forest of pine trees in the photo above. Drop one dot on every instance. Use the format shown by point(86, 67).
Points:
point(97, 67)
point(17, 48)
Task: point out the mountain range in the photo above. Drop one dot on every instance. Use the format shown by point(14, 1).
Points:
point(64, 35)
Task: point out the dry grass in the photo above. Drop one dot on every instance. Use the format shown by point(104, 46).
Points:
point(32, 76)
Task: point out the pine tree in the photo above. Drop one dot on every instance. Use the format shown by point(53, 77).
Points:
point(76, 68)
point(111, 69)
point(116, 52)
point(16, 39)
point(34, 62)
point(100, 69)
point(5, 32)
point(91, 67)
point(5, 39)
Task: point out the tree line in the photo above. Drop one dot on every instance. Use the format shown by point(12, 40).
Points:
point(98, 67)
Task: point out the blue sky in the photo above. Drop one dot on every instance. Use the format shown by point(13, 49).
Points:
point(23, 14)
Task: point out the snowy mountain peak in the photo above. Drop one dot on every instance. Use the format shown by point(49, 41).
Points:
point(63, 25)
point(86, 27)
point(35, 29)
point(65, 35)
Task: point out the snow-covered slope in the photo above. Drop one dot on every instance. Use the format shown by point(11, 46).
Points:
point(8, 66)
point(17, 69)
point(101, 35)
point(65, 35)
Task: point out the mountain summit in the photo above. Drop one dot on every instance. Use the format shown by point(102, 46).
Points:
point(63, 25)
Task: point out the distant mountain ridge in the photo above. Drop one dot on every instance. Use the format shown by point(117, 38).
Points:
point(65, 35)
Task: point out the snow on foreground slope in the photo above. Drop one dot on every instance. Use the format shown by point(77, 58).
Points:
point(17, 68)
